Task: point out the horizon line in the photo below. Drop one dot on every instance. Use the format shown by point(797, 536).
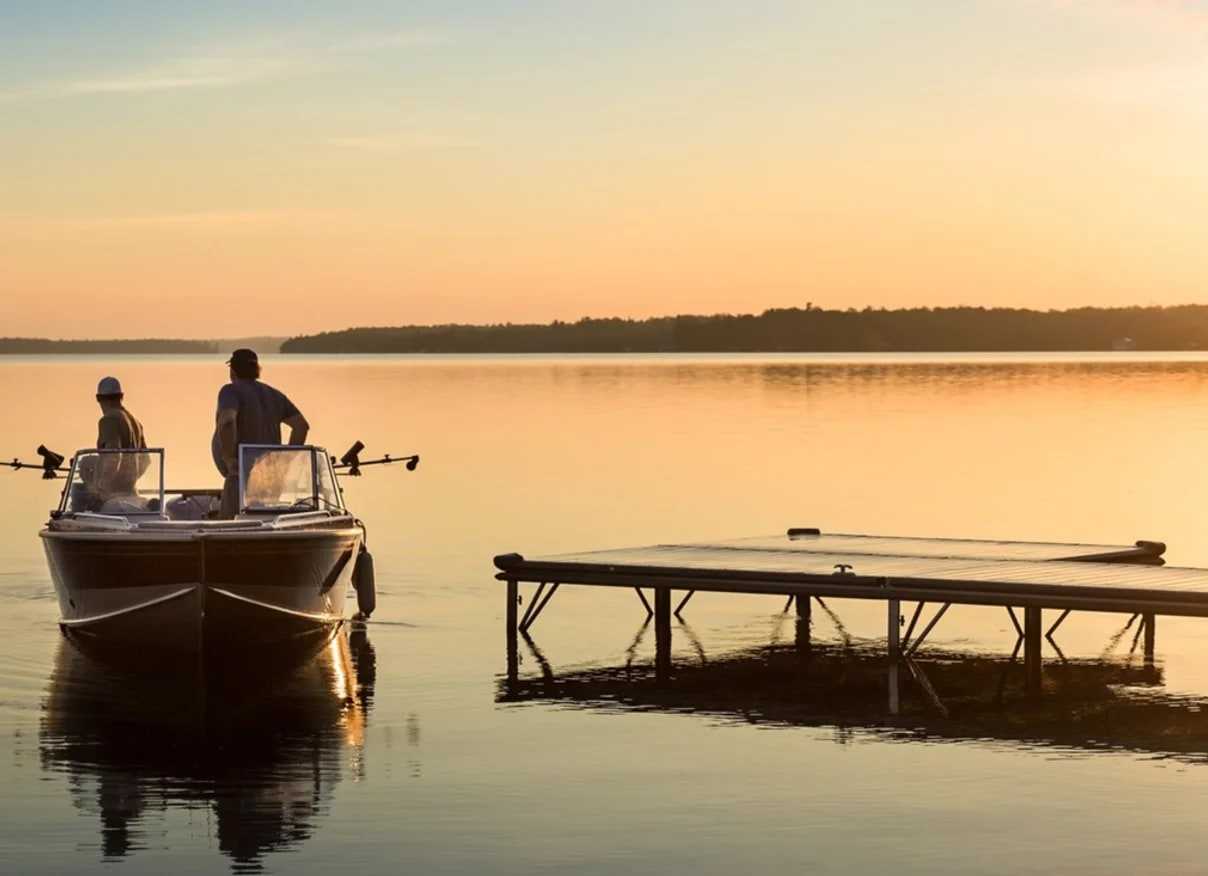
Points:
point(272, 336)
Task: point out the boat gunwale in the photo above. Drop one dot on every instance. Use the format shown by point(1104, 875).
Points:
point(197, 535)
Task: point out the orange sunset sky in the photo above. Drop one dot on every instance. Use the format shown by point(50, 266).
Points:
point(228, 169)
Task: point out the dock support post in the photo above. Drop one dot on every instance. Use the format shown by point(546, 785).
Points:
point(1149, 619)
point(533, 603)
point(804, 610)
point(662, 632)
point(804, 606)
point(513, 649)
point(893, 631)
point(1031, 648)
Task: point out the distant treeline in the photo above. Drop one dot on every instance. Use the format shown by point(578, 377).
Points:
point(141, 345)
point(809, 329)
point(262, 344)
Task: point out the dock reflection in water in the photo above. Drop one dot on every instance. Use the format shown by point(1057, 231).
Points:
point(260, 750)
point(1108, 704)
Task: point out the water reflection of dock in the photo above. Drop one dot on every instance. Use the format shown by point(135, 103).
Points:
point(1089, 705)
point(260, 750)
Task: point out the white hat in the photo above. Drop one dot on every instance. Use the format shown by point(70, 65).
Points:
point(109, 386)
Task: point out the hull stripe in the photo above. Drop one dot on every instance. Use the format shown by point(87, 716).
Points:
point(84, 621)
point(267, 606)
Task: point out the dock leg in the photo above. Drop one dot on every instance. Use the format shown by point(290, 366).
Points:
point(662, 632)
point(513, 650)
point(1149, 637)
point(1031, 648)
point(893, 617)
point(804, 610)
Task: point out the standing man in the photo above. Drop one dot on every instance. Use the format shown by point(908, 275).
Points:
point(249, 412)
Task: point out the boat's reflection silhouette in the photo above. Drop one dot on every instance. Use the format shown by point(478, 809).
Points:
point(259, 751)
point(1086, 705)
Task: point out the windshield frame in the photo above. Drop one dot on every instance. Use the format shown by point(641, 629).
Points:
point(73, 475)
point(318, 457)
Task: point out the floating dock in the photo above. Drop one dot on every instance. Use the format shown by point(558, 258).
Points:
point(805, 565)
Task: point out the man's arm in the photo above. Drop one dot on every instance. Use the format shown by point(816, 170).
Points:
point(227, 437)
point(108, 437)
point(298, 428)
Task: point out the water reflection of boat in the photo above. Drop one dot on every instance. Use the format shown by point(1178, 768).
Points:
point(260, 750)
point(134, 563)
point(961, 697)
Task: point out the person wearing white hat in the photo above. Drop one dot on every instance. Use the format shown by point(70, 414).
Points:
point(113, 475)
point(117, 429)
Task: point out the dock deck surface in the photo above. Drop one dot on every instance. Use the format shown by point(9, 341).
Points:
point(1051, 575)
point(813, 541)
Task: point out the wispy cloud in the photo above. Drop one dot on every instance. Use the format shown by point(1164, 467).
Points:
point(401, 142)
point(230, 65)
point(1180, 15)
point(199, 72)
point(1180, 10)
point(402, 39)
point(230, 220)
point(1178, 85)
point(1170, 70)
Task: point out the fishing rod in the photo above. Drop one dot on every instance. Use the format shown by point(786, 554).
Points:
point(51, 463)
point(352, 463)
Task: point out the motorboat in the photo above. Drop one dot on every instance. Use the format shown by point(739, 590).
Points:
point(136, 564)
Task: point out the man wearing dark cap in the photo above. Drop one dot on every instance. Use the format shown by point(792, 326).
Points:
point(249, 412)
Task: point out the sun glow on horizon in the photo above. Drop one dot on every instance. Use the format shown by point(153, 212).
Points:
point(215, 173)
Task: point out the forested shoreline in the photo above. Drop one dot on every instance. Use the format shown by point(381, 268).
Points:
point(134, 346)
point(40, 346)
point(808, 329)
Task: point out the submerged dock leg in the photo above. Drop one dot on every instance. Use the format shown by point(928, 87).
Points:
point(513, 650)
point(1148, 620)
point(803, 621)
point(804, 606)
point(1031, 648)
point(662, 632)
point(893, 630)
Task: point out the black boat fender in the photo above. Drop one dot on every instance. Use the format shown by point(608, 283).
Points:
point(364, 583)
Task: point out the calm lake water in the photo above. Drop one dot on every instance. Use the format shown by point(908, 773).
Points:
point(402, 748)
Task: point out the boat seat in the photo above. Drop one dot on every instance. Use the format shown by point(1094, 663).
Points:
point(192, 508)
point(126, 504)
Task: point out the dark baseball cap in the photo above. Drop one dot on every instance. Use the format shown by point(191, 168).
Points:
point(244, 356)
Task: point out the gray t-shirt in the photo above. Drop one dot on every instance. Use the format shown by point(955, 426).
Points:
point(259, 412)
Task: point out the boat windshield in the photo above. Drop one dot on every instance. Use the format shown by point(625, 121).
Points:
point(122, 482)
point(280, 479)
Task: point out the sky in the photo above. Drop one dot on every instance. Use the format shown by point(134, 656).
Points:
point(232, 169)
